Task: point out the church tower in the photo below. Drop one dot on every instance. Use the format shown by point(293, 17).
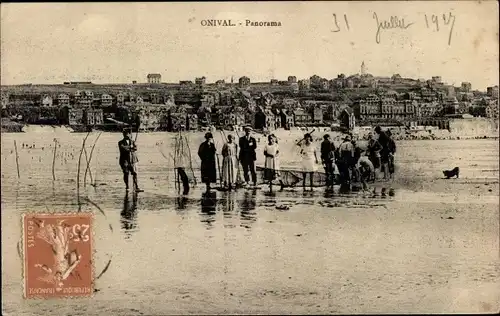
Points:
point(363, 68)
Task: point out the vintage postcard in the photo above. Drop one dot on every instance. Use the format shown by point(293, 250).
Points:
point(312, 157)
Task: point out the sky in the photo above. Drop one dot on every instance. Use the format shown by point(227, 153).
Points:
point(48, 43)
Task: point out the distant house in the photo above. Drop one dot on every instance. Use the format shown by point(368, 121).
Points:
point(63, 100)
point(84, 98)
point(93, 117)
point(301, 117)
point(73, 116)
point(292, 79)
point(192, 122)
point(200, 81)
point(347, 119)
point(204, 115)
point(244, 82)
point(46, 100)
point(154, 78)
point(220, 83)
point(274, 82)
point(5, 100)
point(317, 115)
point(287, 120)
point(231, 117)
point(106, 99)
point(120, 98)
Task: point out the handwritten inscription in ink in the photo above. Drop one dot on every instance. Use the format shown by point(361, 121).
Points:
point(434, 22)
point(393, 23)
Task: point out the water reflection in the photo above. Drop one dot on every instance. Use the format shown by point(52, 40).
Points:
point(248, 204)
point(128, 215)
point(227, 204)
point(208, 207)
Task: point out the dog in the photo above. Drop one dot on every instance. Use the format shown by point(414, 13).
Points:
point(452, 173)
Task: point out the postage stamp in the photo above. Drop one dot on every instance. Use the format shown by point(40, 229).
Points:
point(58, 250)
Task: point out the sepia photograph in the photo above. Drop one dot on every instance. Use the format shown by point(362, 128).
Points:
point(250, 157)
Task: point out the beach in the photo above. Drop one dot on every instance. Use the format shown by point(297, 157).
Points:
point(432, 248)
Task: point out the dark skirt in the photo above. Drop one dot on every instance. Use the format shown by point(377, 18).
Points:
point(375, 161)
point(208, 171)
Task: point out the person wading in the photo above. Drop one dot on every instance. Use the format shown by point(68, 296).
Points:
point(309, 160)
point(247, 156)
point(272, 165)
point(346, 155)
point(229, 163)
point(383, 140)
point(328, 160)
point(392, 152)
point(207, 152)
point(128, 159)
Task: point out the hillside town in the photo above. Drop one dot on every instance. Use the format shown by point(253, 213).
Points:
point(343, 102)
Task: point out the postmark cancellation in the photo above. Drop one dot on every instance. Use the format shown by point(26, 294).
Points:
point(57, 255)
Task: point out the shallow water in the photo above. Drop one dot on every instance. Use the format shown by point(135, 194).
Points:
point(433, 247)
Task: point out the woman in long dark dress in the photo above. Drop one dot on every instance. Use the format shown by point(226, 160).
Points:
point(207, 153)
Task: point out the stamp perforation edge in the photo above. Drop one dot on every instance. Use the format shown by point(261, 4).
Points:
point(91, 215)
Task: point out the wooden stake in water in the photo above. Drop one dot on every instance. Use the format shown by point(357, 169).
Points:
point(78, 171)
point(89, 161)
point(54, 161)
point(17, 160)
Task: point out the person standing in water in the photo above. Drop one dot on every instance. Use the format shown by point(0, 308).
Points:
point(392, 151)
point(309, 160)
point(328, 160)
point(229, 163)
point(346, 159)
point(271, 165)
point(128, 159)
point(207, 153)
point(384, 152)
point(247, 156)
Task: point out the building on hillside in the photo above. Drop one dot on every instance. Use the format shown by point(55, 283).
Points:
point(154, 78)
point(192, 122)
point(220, 84)
point(72, 116)
point(317, 116)
point(93, 117)
point(204, 114)
point(62, 100)
point(200, 81)
point(84, 98)
point(287, 120)
point(347, 119)
point(120, 98)
point(492, 110)
point(304, 85)
point(46, 100)
point(244, 82)
point(292, 79)
point(106, 99)
point(492, 92)
point(301, 117)
point(5, 99)
point(466, 87)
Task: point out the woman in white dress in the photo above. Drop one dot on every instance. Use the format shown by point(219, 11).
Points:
point(309, 160)
point(271, 165)
point(229, 163)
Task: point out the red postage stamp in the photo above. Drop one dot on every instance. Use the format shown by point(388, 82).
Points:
point(58, 251)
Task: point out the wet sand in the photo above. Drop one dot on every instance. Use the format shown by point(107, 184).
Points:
point(432, 248)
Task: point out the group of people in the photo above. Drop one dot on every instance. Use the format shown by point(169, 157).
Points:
point(346, 164)
point(233, 154)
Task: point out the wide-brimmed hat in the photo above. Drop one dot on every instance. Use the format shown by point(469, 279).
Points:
point(248, 128)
